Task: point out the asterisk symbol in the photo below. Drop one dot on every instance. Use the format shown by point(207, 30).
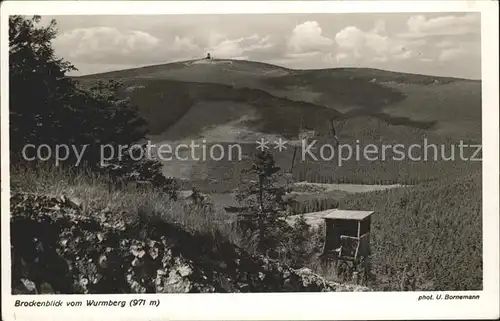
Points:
point(280, 144)
point(262, 144)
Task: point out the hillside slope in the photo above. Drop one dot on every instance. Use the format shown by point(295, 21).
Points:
point(225, 101)
point(413, 100)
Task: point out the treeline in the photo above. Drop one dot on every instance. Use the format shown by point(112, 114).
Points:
point(57, 110)
point(49, 108)
point(314, 205)
point(422, 156)
point(432, 232)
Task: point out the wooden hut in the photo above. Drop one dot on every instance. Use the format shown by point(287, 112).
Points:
point(347, 234)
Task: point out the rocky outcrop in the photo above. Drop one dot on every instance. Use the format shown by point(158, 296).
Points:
point(56, 249)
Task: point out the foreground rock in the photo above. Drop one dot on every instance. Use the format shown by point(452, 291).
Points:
point(57, 250)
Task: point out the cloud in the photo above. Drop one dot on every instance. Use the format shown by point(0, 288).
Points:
point(450, 51)
point(341, 56)
point(452, 54)
point(359, 44)
point(237, 48)
point(226, 49)
point(444, 44)
point(420, 26)
point(350, 38)
point(415, 44)
point(303, 55)
point(381, 59)
point(184, 44)
point(306, 47)
point(379, 26)
point(403, 55)
point(214, 38)
point(307, 37)
point(262, 44)
point(105, 44)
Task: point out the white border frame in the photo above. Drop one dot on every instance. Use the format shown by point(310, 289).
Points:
point(291, 306)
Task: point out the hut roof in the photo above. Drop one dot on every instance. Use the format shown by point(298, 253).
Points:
point(336, 214)
point(316, 218)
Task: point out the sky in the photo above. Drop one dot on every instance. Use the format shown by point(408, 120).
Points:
point(442, 44)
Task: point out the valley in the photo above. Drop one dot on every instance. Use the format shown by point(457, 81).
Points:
point(239, 102)
point(230, 101)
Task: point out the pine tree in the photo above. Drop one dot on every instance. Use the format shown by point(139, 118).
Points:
point(300, 238)
point(265, 202)
point(47, 107)
point(39, 91)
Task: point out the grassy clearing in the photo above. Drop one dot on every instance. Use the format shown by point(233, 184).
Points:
point(127, 205)
point(163, 102)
